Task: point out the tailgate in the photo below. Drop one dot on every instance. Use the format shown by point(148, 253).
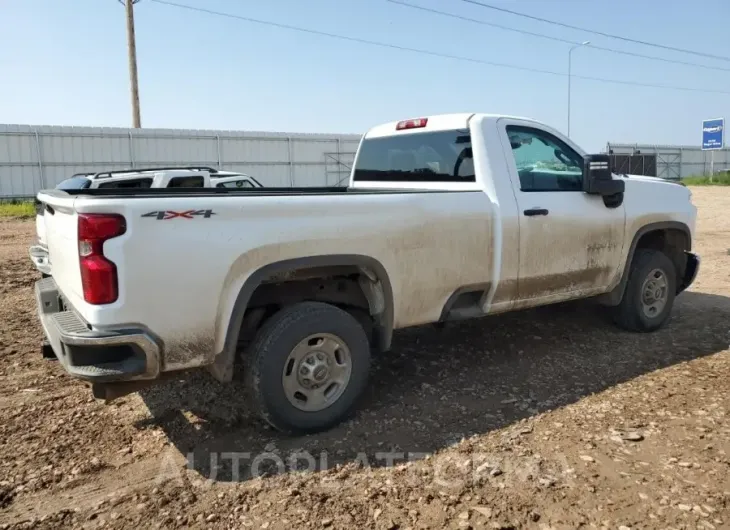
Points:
point(40, 229)
point(60, 230)
point(38, 252)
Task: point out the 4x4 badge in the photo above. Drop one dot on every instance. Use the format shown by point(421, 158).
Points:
point(166, 215)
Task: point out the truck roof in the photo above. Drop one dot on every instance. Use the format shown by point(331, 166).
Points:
point(138, 171)
point(222, 174)
point(437, 122)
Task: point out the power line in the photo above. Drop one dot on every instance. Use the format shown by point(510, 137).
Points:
point(595, 32)
point(557, 39)
point(430, 52)
point(356, 39)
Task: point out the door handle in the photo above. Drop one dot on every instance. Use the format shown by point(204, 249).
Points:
point(535, 211)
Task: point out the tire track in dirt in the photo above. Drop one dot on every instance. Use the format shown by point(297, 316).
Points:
point(108, 487)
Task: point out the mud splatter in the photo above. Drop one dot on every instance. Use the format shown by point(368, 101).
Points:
point(195, 349)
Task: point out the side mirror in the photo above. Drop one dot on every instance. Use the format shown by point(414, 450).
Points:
point(597, 176)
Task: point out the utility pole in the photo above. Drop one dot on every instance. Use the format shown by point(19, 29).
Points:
point(570, 53)
point(132, 54)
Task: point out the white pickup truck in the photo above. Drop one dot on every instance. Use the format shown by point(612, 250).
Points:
point(446, 217)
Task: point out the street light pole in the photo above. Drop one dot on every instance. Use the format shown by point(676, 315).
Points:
point(132, 57)
point(570, 54)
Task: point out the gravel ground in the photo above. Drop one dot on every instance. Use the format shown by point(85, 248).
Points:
point(548, 418)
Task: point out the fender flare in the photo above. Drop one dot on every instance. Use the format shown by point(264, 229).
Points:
point(615, 296)
point(222, 368)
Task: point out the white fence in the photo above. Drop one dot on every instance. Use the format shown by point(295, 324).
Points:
point(33, 158)
point(677, 161)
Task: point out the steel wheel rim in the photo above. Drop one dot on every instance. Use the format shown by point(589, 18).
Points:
point(654, 293)
point(316, 372)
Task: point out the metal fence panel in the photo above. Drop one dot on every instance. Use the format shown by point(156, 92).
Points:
point(634, 164)
point(22, 181)
point(309, 152)
point(269, 150)
point(338, 167)
point(37, 157)
point(169, 151)
point(311, 175)
point(677, 161)
point(268, 175)
point(19, 149)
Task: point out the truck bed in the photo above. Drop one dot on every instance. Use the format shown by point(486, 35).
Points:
point(195, 248)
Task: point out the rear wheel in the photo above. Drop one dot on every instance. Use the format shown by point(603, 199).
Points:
point(310, 365)
point(650, 292)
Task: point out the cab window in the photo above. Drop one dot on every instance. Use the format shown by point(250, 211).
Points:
point(128, 183)
point(186, 182)
point(241, 183)
point(544, 163)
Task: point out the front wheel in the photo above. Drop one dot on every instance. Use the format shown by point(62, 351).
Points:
point(310, 365)
point(650, 291)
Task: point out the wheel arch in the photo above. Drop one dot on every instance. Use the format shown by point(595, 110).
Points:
point(380, 293)
point(645, 237)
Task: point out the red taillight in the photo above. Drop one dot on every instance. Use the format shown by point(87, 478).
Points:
point(98, 274)
point(411, 124)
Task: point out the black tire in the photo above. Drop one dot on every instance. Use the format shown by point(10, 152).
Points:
point(629, 313)
point(271, 348)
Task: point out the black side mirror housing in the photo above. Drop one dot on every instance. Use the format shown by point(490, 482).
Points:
point(598, 178)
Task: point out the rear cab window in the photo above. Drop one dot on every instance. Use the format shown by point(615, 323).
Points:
point(74, 183)
point(438, 156)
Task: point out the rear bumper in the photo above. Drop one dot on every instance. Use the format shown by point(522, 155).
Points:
point(39, 257)
point(94, 355)
point(690, 271)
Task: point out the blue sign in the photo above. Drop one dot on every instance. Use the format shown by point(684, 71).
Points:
point(713, 133)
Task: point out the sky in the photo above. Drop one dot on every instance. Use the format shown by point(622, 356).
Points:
point(65, 63)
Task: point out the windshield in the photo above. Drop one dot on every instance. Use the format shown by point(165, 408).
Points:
point(74, 183)
point(442, 156)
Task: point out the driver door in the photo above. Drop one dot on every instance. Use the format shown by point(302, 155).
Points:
point(570, 242)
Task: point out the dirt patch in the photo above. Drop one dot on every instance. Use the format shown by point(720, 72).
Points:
point(548, 418)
